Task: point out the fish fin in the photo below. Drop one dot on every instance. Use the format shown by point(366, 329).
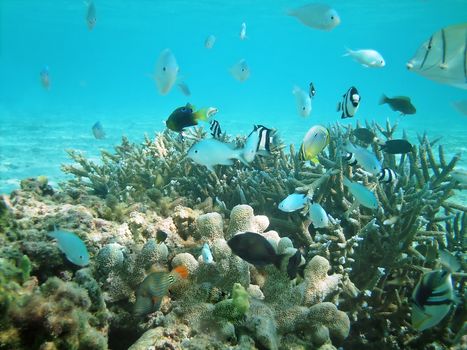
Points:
point(156, 304)
point(339, 105)
point(211, 168)
point(348, 52)
point(383, 99)
point(181, 270)
point(314, 160)
point(143, 306)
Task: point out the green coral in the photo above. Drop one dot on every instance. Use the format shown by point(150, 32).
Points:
point(235, 308)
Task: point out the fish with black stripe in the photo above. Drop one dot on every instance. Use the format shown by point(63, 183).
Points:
point(153, 289)
point(267, 139)
point(350, 103)
point(215, 128)
point(432, 299)
point(387, 175)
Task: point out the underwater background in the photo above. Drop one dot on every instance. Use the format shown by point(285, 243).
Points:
point(104, 74)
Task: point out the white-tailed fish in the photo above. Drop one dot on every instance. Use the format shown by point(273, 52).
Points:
point(315, 140)
point(206, 254)
point(318, 216)
point(153, 289)
point(210, 152)
point(166, 71)
point(240, 70)
point(303, 101)
point(72, 246)
point(432, 299)
point(210, 41)
point(367, 57)
point(443, 57)
point(318, 16)
point(362, 194)
point(366, 159)
point(350, 103)
point(293, 202)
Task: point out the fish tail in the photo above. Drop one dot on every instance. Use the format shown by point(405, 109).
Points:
point(143, 306)
point(383, 99)
point(201, 115)
point(239, 155)
point(181, 270)
point(348, 51)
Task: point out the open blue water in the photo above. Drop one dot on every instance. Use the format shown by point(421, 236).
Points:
point(103, 74)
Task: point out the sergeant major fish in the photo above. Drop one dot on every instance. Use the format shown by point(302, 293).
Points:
point(350, 103)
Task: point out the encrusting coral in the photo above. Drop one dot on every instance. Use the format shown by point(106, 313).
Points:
point(359, 270)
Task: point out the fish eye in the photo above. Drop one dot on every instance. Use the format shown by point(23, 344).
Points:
point(196, 151)
point(332, 17)
point(164, 69)
point(183, 109)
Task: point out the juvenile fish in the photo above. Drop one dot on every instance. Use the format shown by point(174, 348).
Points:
point(215, 128)
point(183, 117)
point(387, 175)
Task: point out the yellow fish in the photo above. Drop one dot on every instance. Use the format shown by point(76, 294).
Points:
point(315, 140)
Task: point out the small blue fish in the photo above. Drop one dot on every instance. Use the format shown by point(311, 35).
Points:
point(366, 159)
point(318, 216)
point(98, 131)
point(362, 194)
point(206, 253)
point(293, 202)
point(72, 246)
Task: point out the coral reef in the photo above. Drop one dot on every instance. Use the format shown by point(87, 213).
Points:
point(358, 273)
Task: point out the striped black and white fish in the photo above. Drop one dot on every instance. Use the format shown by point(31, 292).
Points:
point(350, 103)
point(215, 128)
point(266, 139)
point(350, 159)
point(312, 90)
point(432, 299)
point(387, 175)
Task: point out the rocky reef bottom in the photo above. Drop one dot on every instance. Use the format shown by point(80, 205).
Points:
point(46, 302)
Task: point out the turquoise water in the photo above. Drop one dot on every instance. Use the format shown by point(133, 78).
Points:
point(102, 75)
